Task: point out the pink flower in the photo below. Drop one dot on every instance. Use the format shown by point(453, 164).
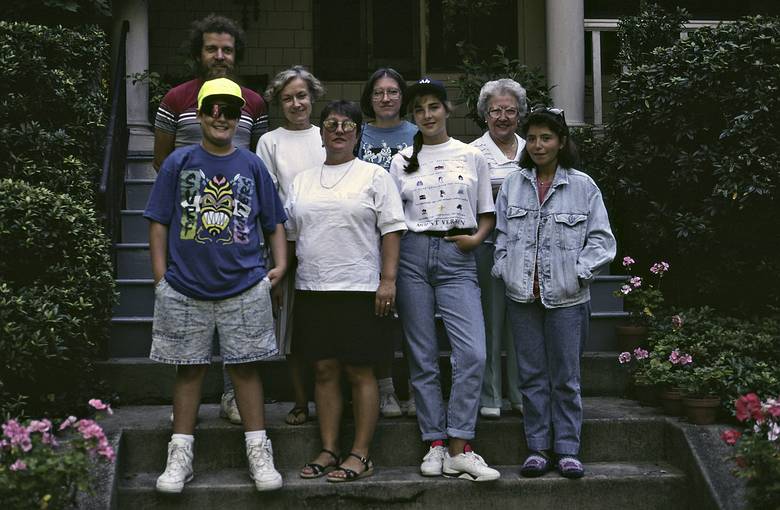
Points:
point(636, 282)
point(640, 353)
point(17, 435)
point(69, 421)
point(624, 357)
point(730, 436)
point(674, 357)
point(774, 409)
point(748, 406)
point(628, 261)
point(677, 321)
point(625, 290)
point(659, 268)
point(100, 406)
point(19, 465)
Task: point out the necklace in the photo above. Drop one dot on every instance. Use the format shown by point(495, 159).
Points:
point(339, 179)
point(508, 149)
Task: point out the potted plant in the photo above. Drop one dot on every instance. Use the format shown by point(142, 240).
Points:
point(642, 299)
point(703, 387)
point(641, 388)
point(666, 368)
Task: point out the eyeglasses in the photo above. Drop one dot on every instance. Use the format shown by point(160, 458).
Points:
point(510, 113)
point(555, 111)
point(379, 94)
point(332, 125)
point(230, 111)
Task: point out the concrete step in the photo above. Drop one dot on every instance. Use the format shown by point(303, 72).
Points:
point(137, 192)
point(142, 381)
point(614, 430)
point(133, 261)
point(131, 335)
point(609, 485)
point(135, 228)
point(140, 168)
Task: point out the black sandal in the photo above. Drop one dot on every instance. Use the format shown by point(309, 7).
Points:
point(318, 470)
point(350, 474)
point(298, 415)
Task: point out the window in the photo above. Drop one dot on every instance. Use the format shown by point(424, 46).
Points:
point(356, 37)
point(484, 24)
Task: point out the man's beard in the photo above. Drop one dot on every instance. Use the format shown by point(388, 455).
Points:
point(209, 72)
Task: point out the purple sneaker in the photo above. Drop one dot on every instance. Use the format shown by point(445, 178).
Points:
point(570, 467)
point(535, 465)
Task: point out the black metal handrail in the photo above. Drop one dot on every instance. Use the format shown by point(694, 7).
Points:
point(115, 152)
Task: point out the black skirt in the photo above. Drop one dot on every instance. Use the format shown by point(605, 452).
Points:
point(340, 325)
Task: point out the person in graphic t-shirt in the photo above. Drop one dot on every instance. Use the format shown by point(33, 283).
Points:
point(380, 140)
point(208, 210)
point(216, 43)
point(449, 211)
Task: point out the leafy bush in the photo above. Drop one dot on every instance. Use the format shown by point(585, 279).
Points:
point(690, 163)
point(475, 73)
point(52, 105)
point(55, 297)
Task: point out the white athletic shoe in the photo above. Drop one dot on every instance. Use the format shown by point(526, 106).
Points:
point(432, 462)
point(178, 468)
point(468, 465)
point(228, 408)
point(389, 406)
point(260, 456)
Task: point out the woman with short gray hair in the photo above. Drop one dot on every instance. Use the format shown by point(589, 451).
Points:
point(287, 151)
point(502, 104)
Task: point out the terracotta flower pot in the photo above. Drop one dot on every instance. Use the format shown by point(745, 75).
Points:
point(702, 411)
point(630, 337)
point(672, 402)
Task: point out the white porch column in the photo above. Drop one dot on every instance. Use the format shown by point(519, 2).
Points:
point(137, 61)
point(566, 56)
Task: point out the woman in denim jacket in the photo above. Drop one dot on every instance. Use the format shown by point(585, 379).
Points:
point(553, 235)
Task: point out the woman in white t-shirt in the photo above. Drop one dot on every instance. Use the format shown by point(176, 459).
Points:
point(287, 151)
point(449, 211)
point(345, 218)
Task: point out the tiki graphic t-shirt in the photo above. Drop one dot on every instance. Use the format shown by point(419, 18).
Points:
point(216, 209)
point(379, 145)
point(449, 190)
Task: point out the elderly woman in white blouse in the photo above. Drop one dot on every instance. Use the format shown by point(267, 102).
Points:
point(346, 220)
point(502, 104)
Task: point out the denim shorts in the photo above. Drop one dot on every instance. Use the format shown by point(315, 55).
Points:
point(184, 327)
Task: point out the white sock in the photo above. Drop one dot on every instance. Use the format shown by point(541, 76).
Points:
point(386, 385)
point(183, 437)
point(254, 434)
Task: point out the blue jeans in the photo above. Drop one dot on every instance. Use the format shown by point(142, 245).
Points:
point(549, 344)
point(435, 276)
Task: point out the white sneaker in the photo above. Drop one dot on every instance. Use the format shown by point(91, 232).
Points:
point(491, 413)
point(432, 462)
point(260, 456)
point(389, 406)
point(468, 465)
point(228, 408)
point(178, 468)
point(411, 406)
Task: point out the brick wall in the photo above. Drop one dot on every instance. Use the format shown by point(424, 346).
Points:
point(281, 37)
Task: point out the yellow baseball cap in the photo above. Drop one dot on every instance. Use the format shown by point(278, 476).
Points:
point(220, 87)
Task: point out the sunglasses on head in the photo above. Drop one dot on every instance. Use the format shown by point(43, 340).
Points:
point(555, 111)
point(332, 125)
point(230, 111)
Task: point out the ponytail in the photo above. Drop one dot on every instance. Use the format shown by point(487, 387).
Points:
point(414, 164)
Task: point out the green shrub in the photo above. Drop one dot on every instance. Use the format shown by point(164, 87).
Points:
point(474, 73)
point(691, 159)
point(52, 106)
point(55, 297)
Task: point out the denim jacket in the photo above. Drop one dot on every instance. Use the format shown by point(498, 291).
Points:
point(569, 232)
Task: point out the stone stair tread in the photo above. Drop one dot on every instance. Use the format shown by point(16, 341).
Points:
point(238, 478)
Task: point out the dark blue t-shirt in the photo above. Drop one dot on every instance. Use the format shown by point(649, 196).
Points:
point(213, 206)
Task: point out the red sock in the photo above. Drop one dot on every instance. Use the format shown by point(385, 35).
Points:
point(438, 442)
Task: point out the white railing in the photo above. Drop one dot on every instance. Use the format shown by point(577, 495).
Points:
point(595, 27)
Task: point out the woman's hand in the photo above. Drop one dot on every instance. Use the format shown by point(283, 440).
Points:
point(465, 243)
point(385, 298)
point(277, 295)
